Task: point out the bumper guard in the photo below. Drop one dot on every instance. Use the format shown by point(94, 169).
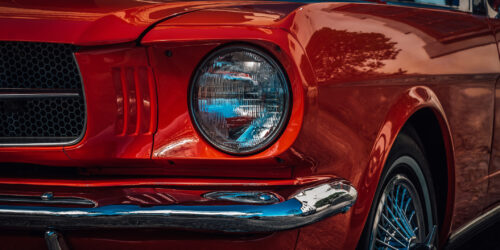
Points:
point(305, 207)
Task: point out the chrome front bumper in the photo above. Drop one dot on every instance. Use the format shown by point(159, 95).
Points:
point(305, 207)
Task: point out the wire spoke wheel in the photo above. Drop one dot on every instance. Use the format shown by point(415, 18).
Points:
point(403, 214)
point(399, 219)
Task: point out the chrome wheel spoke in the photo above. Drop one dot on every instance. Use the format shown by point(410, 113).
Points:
point(403, 198)
point(399, 222)
point(392, 237)
point(411, 216)
point(402, 218)
point(399, 217)
point(386, 244)
point(407, 203)
point(395, 228)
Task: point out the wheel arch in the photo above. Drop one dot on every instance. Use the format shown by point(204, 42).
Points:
point(420, 108)
point(435, 140)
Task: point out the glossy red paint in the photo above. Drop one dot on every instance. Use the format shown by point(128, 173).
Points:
point(350, 100)
point(86, 22)
point(179, 142)
point(387, 88)
point(123, 130)
point(178, 182)
point(393, 92)
point(121, 116)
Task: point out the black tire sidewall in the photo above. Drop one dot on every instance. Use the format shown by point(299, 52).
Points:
point(406, 144)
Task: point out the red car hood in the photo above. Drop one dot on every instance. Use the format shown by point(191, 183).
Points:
point(88, 22)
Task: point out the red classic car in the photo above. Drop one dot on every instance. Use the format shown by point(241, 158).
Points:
point(250, 124)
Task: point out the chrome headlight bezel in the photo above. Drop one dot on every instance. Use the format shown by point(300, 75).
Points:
point(278, 130)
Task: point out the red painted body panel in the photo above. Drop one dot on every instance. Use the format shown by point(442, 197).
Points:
point(87, 22)
point(177, 140)
point(357, 72)
point(124, 129)
point(112, 133)
point(459, 92)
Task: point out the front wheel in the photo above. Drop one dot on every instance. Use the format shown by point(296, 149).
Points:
point(403, 214)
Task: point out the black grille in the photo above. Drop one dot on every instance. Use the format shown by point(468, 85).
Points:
point(41, 95)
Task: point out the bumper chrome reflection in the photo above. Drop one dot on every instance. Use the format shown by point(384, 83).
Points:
point(307, 206)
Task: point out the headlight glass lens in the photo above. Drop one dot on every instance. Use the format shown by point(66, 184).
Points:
point(239, 100)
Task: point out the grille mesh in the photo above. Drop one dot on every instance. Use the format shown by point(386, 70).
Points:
point(38, 65)
point(42, 71)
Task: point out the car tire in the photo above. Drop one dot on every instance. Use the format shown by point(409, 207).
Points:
point(403, 212)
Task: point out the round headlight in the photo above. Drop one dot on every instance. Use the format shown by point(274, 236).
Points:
point(239, 100)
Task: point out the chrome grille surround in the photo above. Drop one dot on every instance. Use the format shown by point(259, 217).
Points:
point(42, 100)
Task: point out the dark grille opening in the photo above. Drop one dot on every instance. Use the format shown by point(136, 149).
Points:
point(41, 95)
point(22, 170)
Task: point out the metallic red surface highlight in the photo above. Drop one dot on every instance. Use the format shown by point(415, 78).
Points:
point(358, 73)
point(86, 22)
point(180, 182)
